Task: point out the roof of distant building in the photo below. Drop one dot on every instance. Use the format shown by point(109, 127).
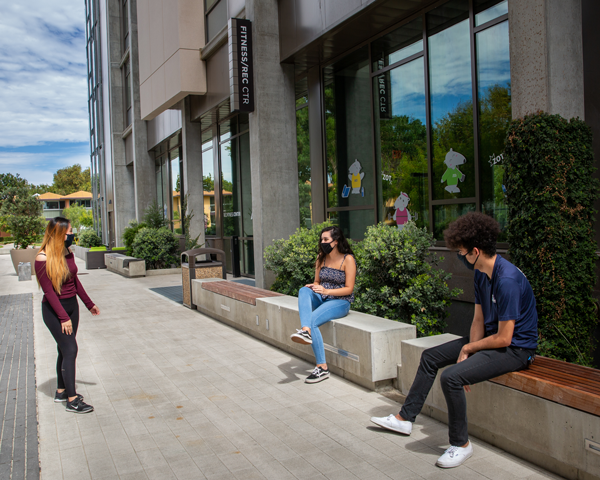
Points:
point(49, 196)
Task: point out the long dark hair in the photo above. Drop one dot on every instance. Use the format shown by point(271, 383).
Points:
point(336, 235)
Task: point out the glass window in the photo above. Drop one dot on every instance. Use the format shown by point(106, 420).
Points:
point(489, 13)
point(401, 145)
point(353, 223)
point(494, 102)
point(304, 184)
point(443, 215)
point(208, 180)
point(349, 132)
point(125, 26)
point(232, 215)
point(128, 106)
point(398, 45)
point(216, 19)
point(246, 180)
point(451, 101)
point(159, 186)
point(176, 190)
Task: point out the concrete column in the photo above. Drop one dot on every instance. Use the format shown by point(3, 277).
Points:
point(315, 132)
point(144, 171)
point(192, 170)
point(273, 152)
point(546, 57)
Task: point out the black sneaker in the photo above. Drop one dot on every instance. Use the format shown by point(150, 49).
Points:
point(63, 397)
point(318, 375)
point(79, 406)
point(301, 336)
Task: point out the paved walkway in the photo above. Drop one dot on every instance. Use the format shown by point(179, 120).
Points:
point(18, 429)
point(181, 396)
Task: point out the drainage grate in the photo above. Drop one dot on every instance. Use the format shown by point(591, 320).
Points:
point(172, 293)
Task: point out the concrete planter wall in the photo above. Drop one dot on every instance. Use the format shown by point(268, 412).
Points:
point(24, 255)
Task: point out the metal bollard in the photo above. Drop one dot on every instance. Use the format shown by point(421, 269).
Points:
point(24, 271)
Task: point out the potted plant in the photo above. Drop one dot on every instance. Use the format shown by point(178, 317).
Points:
point(22, 217)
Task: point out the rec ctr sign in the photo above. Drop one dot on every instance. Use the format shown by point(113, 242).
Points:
point(241, 80)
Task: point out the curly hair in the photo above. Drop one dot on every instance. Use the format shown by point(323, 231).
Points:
point(472, 230)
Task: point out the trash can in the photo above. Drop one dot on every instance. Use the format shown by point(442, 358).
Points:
point(194, 269)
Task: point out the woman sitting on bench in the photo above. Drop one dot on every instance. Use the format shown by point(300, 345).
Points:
point(329, 297)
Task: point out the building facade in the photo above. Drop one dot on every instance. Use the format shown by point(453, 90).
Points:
point(365, 111)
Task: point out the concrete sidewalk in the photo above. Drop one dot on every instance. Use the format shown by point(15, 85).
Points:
point(179, 395)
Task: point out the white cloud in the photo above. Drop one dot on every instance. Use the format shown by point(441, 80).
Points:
point(43, 91)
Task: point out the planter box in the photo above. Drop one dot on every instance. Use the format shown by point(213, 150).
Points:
point(163, 271)
point(94, 260)
point(80, 251)
point(24, 255)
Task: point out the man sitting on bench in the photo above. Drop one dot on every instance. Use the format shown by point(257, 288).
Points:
point(503, 335)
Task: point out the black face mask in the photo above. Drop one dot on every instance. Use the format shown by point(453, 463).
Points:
point(463, 259)
point(326, 247)
point(69, 240)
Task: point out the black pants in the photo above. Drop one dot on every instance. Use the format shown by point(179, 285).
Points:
point(481, 366)
point(67, 344)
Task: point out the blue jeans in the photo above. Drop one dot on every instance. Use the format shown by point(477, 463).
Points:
point(314, 312)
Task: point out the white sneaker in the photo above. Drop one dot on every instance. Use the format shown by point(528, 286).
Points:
point(455, 456)
point(392, 423)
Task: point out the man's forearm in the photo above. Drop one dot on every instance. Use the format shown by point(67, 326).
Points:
point(487, 343)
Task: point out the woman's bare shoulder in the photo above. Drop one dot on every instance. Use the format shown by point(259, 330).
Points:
point(41, 257)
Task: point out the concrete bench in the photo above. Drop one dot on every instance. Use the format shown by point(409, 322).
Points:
point(124, 265)
point(540, 417)
point(362, 348)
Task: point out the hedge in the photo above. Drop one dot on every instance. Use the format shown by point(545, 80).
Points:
point(550, 193)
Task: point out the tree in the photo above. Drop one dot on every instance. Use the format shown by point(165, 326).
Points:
point(8, 181)
point(72, 179)
point(21, 214)
point(75, 214)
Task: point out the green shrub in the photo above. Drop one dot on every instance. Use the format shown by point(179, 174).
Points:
point(293, 260)
point(550, 192)
point(397, 279)
point(158, 247)
point(89, 238)
point(119, 249)
point(153, 216)
point(129, 235)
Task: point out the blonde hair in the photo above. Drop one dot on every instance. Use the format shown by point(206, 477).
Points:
point(53, 246)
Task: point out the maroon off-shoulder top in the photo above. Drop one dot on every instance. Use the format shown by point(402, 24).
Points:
point(69, 289)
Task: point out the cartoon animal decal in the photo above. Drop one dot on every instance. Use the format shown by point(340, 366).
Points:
point(355, 176)
point(453, 175)
point(401, 213)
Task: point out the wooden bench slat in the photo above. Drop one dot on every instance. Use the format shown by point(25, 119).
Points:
point(565, 383)
point(562, 367)
point(238, 291)
point(563, 376)
point(551, 391)
point(562, 381)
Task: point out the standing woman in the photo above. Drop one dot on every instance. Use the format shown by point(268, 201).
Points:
point(328, 297)
point(56, 273)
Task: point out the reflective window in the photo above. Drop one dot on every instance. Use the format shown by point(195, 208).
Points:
point(216, 18)
point(489, 13)
point(176, 189)
point(402, 146)
point(349, 142)
point(208, 181)
point(303, 145)
point(494, 101)
point(443, 215)
point(398, 45)
point(451, 101)
point(232, 215)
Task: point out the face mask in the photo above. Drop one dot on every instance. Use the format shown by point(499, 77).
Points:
point(326, 247)
point(69, 240)
point(463, 259)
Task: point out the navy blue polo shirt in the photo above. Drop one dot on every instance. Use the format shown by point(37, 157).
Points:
point(508, 296)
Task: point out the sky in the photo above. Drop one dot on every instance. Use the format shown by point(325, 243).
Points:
point(43, 91)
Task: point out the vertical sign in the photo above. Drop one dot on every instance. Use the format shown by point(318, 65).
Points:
point(241, 80)
point(383, 93)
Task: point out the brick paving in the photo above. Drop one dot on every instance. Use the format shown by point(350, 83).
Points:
point(178, 395)
point(19, 431)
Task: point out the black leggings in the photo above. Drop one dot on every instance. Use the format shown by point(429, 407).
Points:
point(67, 344)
